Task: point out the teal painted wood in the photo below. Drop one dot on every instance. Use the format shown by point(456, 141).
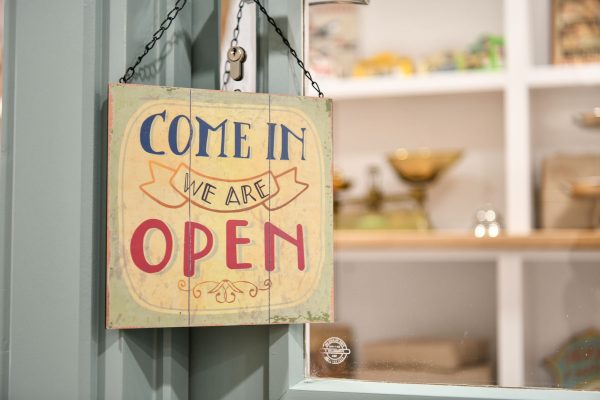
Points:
point(277, 70)
point(175, 364)
point(286, 348)
point(229, 363)
point(142, 19)
point(51, 263)
point(6, 203)
point(59, 58)
point(332, 389)
point(204, 44)
point(91, 203)
point(177, 48)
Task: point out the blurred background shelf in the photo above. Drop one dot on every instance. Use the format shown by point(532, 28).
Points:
point(442, 83)
point(537, 240)
point(563, 76)
point(535, 286)
point(430, 84)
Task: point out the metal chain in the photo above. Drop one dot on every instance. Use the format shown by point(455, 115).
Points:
point(179, 4)
point(233, 43)
point(293, 52)
point(130, 72)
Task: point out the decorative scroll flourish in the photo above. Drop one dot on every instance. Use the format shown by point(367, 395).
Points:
point(224, 291)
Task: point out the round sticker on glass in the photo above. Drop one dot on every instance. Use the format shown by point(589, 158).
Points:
point(334, 350)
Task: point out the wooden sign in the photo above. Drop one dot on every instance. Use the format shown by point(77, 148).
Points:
point(219, 208)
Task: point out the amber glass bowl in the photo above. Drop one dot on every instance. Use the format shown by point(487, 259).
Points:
point(422, 166)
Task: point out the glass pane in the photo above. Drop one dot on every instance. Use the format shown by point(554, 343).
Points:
point(562, 310)
point(411, 321)
point(467, 195)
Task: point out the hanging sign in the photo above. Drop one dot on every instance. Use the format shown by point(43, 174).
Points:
point(219, 208)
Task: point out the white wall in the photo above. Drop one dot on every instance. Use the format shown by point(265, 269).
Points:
point(552, 126)
point(553, 130)
point(418, 28)
point(540, 14)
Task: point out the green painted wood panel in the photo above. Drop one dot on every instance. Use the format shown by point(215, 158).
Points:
point(6, 201)
point(51, 264)
point(229, 363)
point(204, 44)
point(60, 56)
point(334, 389)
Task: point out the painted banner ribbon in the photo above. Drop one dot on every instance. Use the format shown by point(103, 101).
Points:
point(171, 188)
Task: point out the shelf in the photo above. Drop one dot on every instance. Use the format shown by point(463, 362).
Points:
point(539, 240)
point(397, 86)
point(558, 76)
point(541, 77)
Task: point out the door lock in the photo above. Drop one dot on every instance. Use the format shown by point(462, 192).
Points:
point(236, 57)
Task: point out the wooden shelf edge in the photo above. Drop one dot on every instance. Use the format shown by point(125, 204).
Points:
point(537, 240)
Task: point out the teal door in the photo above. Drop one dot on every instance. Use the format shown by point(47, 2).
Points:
point(59, 58)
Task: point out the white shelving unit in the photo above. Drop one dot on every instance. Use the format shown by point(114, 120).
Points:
point(433, 84)
point(446, 270)
point(443, 83)
point(522, 22)
point(563, 76)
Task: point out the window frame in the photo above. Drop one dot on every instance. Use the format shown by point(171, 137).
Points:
point(289, 376)
point(289, 380)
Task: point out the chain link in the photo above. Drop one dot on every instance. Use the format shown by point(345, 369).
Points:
point(233, 43)
point(179, 4)
point(130, 72)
